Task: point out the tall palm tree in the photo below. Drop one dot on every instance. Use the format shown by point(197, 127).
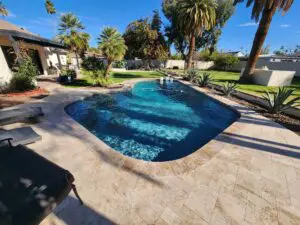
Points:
point(71, 35)
point(195, 16)
point(262, 11)
point(112, 45)
point(3, 10)
point(50, 7)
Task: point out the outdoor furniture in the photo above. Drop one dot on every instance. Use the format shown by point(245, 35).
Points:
point(30, 186)
point(20, 136)
point(19, 115)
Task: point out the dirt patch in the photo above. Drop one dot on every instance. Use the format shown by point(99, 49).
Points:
point(16, 98)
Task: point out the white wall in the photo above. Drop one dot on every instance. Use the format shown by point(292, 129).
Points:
point(58, 57)
point(5, 73)
point(272, 65)
point(175, 63)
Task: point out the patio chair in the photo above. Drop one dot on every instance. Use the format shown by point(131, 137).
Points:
point(20, 136)
point(19, 115)
point(31, 186)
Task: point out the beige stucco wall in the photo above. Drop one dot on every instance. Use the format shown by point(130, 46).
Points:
point(5, 74)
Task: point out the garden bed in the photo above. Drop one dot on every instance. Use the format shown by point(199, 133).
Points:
point(16, 98)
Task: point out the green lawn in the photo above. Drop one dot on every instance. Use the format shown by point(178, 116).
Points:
point(220, 77)
point(118, 77)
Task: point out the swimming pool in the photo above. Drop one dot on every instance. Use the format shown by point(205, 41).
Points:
point(154, 121)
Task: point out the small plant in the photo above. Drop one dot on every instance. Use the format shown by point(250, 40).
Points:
point(229, 88)
point(25, 77)
point(119, 64)
point(278, 102)
point(92, 64)
point(96, 78)
point(67, 75)
point(204, 80)
point(104, 82)
point(192, 75)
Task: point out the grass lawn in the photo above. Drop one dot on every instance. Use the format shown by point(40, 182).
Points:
point(118, 77)
point(220, 77)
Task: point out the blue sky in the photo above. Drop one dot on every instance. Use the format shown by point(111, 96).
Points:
point(96, 14)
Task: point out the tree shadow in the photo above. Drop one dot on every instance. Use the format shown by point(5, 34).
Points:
point(72, 213)
point(260, 144)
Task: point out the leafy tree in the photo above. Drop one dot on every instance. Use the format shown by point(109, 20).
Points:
point(195, 17)
point(50, 7)
point(112, 46)
point(144, 42)
point(3, 10)
point(262, 11)
point(209, 38)
point(71, 35)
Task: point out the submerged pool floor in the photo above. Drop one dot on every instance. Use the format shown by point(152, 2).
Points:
point(154, 122)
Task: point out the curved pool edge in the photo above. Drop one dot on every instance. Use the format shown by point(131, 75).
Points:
point(175, 167)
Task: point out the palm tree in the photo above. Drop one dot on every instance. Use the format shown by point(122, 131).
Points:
point(195, 16)
point(71, 35)
point(50, 7)
point(112, 46)
point(3, 10)
point(262, 11)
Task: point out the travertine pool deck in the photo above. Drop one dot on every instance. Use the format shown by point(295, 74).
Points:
point(249, 174)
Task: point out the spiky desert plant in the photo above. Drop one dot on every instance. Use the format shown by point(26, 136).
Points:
point(278, 102)
point(229, 88)
point(205, 79)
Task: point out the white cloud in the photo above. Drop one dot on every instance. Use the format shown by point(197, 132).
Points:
point(285, 25)
point(249, 24)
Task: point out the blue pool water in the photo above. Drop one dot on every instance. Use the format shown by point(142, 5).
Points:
point(154, 122)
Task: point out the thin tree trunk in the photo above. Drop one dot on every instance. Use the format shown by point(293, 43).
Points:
point(191, 51)
point(77, 60)
point(258, 42)
point(108, 67)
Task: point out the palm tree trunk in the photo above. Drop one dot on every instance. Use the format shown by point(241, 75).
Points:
point(258, 42)
point(77, 60)
point(108, 67)
point(191, 51)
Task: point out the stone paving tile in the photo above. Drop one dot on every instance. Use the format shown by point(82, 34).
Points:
point(249, 174)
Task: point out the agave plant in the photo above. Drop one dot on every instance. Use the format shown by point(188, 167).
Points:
point(278, 102)
point(192, 75)
point(205, 79)
point(228, 88)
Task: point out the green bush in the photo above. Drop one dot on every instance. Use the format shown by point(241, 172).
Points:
point(92, 63)
point(229, 88)
point(67, 75)
point(278, 102)
point(119, 64)
point(25, 77)
point(192, 75)
point(204, 80)
point(225, 61)
point(96, 78)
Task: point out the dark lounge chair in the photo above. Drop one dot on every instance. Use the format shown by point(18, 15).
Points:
point(30, 186)
point(19, 115)
point(20, 136)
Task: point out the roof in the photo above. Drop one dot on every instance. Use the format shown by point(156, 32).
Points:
point(19, 33)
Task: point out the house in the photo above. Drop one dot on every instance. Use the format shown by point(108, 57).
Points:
point(236, 53)
point(48, 55)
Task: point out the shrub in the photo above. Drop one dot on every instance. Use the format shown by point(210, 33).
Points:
point(229, 88)
point(67, 75)
point(175, 68)
point(119, 64)
point(92, 63)
point(96, 78)
point(278, 102)
point(192, 75)
point(204, 80)
point(225, 61)
point(25, 77)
